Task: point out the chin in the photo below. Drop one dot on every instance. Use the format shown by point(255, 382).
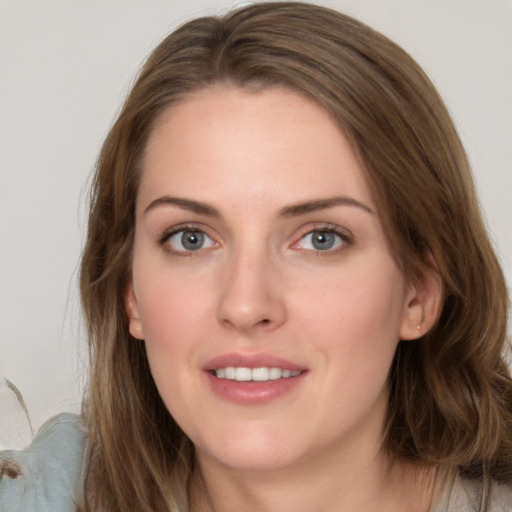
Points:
point(251, 451)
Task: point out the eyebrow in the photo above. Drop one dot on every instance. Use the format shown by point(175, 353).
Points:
point(293, 210)
point(186, 204)
point(322, 204)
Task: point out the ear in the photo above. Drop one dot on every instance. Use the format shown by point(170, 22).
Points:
point(132, 310)
point(423, 303)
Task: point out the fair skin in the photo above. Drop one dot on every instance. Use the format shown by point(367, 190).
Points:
point(259, 245)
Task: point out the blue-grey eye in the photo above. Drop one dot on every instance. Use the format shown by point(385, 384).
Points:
point(192, 240)
point(321, 240)
point(187, 240)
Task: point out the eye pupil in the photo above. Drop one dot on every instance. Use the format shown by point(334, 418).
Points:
point(322, 240)
point(192, 240)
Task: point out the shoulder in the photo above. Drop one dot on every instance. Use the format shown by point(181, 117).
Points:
point(480, 495)
point(456, 493)
point(47, 475)
point(500, 497)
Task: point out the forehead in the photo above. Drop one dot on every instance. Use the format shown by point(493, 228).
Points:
point(258, 144)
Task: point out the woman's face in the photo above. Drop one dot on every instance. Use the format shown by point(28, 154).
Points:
point(263, 286)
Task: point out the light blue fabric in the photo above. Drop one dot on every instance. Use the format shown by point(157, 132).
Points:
point(47, 476)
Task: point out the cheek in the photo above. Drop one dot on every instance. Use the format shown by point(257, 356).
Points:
point(171, 322)
point(171, 304)
point(172, 314)
point(354, 327)
point(366, 299)
point(355, 320)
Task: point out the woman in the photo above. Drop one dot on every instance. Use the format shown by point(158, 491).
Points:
point(291, 298)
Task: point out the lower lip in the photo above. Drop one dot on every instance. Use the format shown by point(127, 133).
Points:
point(253, 392)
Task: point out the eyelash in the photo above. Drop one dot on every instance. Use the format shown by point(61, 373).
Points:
point(167, 235)
point(344, 235)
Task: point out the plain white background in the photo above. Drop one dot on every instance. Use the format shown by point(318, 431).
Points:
point(65, 67)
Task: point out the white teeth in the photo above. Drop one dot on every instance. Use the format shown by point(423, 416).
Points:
point(261, 374)
point(243, 374)
point(275, 373)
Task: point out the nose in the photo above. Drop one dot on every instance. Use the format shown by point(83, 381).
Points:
point(251, 296)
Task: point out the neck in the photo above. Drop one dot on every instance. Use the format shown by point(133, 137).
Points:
point(329, 484)
point(342, 474)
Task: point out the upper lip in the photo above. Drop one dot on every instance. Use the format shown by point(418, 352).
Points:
point(251, 361)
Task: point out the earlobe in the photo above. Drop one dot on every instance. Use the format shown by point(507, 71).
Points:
point(422, 306)
point(132, 310)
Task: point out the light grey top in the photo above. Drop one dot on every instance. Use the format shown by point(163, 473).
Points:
point(47, 476)
point(454, 493)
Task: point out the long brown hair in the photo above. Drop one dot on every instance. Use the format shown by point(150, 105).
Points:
point(451, 394)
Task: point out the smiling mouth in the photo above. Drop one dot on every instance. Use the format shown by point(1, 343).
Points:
point(261, 374)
